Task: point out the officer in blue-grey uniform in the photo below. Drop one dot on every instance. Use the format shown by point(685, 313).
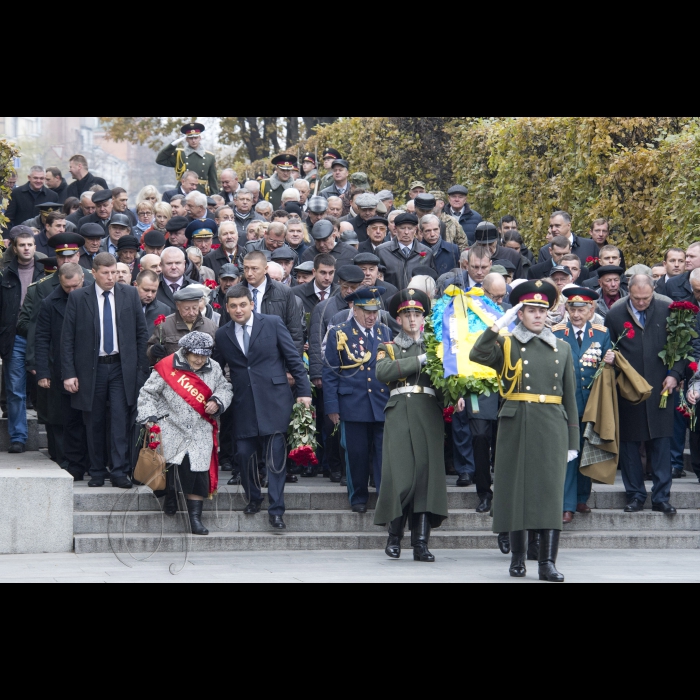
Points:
point(353, 397)
point(590, 345)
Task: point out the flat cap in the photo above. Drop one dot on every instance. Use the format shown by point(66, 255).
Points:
point(425, 202)
point(366, 259)
point(190, 293)
point(229, 271)
point(294, 208)
point(415, 185)
point(406, 218)
point(381, 208)
point(128, 243)
point(177, 223)
point(92, 231)
point(284, 253)
point(507, 264)
point(211, 202)
point(377, 220)
point(322, 230)
point(341, 162)
point(499, 270)
point(307, 267)
point(318, 205)
point(366, 201)
point(154, 239)
point(120, 220)
point(25, 230)
point(425, 271)
point(198, 344)
point(385, 196)
point(351, 274)
point(560, 269)
point(349, 237)
point(486, 232)
point(610, 270)
point(101, 196)
point(458, 189)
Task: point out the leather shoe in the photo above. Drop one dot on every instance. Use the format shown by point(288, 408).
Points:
point(665, 508)
point(253, 508)
point(235, 480)
point(122, 483)
point(335, 477)
point(634, 507)
point(361, 509)
point(96, 483)
point(292, 479)
point(77, 475)
point(484, 506)
point(568, 518)
point(678, 474)
point(16, 448)
point(464, 481)
point(504, 542)
point(227, 467)
point(583, 509)
point(277, 523)
point(309, 473)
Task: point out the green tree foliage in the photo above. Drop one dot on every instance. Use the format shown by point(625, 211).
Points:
point(7, 153)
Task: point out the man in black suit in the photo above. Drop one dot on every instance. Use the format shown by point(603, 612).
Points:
point(104, 359)
point(369, 264)
point(560, 247)
point(69, 432)
point(322, 287)
point(104, 209)
point(560, 225)
point(147, 284)
point(326, 241)
point(25, 200)
point(679, 288)
point(377, 234)
point(188, 184)
point(173, 278)
point(84, 179)
point(259, 352)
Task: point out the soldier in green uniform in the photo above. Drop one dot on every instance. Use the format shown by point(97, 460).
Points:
point(192, 157)
point(413, 470)
point(329, 156)
point(538, 430)
point(272, 189)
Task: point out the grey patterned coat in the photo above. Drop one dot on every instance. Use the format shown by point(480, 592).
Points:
point(184, 431)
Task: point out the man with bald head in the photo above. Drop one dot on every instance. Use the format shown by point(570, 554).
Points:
point(151, 263)
point(173, 277)
point(496, 289)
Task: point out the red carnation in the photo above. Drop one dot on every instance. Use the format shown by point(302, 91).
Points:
point(143, 247)
point(154, 446)
point(160, 321)
point(216, 307)
point(448, 414)
point(216, 247)
point(590, 260)
point(156, 430)
point(629, 326)
point(693, 367)
point(423, 255)
point(631, 335)
point(211, 284)
point(303, 457)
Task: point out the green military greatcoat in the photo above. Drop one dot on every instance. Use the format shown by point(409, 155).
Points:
point(201, 162)
point(413, 469)
point(533, 438)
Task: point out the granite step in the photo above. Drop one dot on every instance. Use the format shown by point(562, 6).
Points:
point(37, 435)
point(140, 544)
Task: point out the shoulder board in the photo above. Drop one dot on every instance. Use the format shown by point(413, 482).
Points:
point(560, 327)
point(44, 279)
point(34, 284)
point(602, 329)
point(210, 153)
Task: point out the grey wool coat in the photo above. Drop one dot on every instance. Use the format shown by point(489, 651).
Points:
point(184, 430)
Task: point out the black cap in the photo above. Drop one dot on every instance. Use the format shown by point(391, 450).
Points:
point(458, 189)
point(351, 273)
point(92, 231)
point(66, 244)
point(561, 269)
point(377, 220)
point(154, 239)
point(341, 162)
point(120, 220)
point(610, 270)
point(486, 232)
point(510, 267)
point(128, 243)
point(332, 153)
point(382, 269)
point(425, 202)
point(322, 230)
point(211, 202)
point(17, 230)
point(406, 218)
point(101, 196)
point(284, 253)
point(177, 223)
point(425, 271)
point(366, 259)
point(294, 208)
point(229, 271)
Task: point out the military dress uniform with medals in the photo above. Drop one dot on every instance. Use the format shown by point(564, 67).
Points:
point(200, 161)
point(413, 467)
point(538, 427)
point(589, 346)
point(351, 390)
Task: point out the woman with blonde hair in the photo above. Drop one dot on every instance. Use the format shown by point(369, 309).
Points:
point(145, 214)
point(149, 194)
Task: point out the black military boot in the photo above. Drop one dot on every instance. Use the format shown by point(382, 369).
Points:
point(504, 542)
point(518, 547)
point(533, 549)
point(396, 533)
point(549, 548)
point(194, 508)
point(420, 537)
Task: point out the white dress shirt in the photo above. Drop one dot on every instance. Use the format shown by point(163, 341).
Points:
point(261, 293)
point(318, 291)
point(240, 330)
point(101, 306)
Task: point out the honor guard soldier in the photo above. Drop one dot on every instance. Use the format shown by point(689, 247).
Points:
point(590, 345)
point(192, 157)
point(272, 189)
point(353, 398)
point(539, 428)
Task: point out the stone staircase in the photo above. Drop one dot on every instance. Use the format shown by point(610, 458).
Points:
point(319, 518)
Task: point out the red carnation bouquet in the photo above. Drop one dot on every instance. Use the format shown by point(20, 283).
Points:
point(302, 437)
point(681, 332)
point(592, 262)
point(158, 323)
point(211, 284)
point(627, 332)
point(151, 437)
point(448, 414)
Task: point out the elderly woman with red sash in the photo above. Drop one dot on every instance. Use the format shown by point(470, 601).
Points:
point(191, 390)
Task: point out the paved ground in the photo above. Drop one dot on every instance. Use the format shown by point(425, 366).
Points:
point(580, 566)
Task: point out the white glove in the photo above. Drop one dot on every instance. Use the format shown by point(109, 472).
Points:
point(423, 360)
point(179, 141)
point(573, 454)
point(508, 318)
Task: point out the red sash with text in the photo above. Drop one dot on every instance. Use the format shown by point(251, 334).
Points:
point(196, 394)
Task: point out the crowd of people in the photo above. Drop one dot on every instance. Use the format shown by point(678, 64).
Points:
point(309, 287)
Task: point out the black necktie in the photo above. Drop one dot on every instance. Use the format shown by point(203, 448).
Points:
point(108, 329)
point(579, 337)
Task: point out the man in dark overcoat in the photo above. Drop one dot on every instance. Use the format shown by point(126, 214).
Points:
point(646, 423)
point(104, 359)
point(259, 352)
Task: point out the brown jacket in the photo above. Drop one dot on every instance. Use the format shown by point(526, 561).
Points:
point(174, 329)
